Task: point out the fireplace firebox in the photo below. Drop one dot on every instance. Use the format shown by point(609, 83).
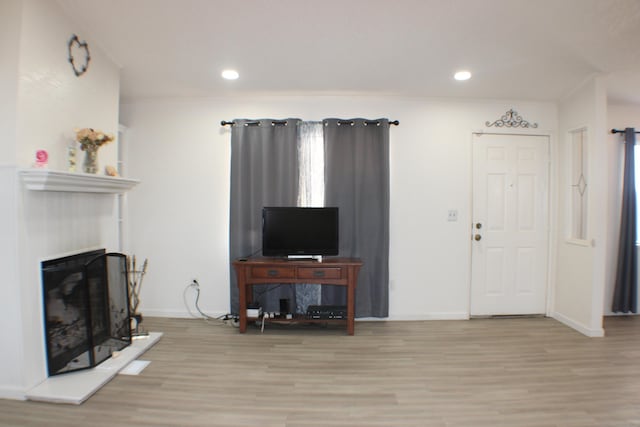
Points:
point(86, 308)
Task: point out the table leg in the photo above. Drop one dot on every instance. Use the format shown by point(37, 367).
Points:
point(351, 303)
point(242, 301)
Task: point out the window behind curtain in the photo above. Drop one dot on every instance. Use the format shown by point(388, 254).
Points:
point(311, 164)
point(310, 192)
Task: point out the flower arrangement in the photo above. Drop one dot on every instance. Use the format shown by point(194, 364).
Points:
point(91, 139)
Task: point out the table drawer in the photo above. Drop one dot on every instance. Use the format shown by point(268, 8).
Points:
point(273, 272)
point(320, 273)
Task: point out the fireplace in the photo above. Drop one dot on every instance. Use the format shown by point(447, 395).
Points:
point(86, 308)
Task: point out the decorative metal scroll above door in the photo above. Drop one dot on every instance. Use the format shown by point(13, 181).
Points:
point(511, 119)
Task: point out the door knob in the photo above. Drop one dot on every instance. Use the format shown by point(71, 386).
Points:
point(477, 237)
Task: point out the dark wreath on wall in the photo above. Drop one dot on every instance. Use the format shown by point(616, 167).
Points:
point(79, 65)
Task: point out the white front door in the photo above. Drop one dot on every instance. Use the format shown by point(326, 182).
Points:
point(510, 224)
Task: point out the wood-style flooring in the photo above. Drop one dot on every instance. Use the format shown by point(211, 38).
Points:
point(480, 373)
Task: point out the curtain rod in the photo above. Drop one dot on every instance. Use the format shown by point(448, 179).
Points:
point(282, 122)
point(621, 131)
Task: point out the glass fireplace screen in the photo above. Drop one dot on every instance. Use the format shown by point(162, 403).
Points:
point(86, 307)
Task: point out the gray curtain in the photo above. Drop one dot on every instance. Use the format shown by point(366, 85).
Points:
point(264, 172)
point(625, 297)
point(357, 182)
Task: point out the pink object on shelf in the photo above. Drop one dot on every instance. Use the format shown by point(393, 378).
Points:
point(42, 159)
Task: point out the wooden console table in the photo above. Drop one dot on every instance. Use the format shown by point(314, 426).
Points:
point(329, 271)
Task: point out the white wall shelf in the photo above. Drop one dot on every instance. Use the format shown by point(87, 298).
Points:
point(48, 180)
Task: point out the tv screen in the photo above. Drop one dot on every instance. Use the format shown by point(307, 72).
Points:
point(295, 231)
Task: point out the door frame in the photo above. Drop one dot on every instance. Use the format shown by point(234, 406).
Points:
point(552, 214)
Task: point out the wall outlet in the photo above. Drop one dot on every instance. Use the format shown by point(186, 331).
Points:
point(452, 215)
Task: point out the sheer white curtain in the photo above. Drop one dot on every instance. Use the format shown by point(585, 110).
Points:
point(310, 191)
point(311, 164)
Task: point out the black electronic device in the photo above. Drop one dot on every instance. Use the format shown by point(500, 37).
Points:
point(326, 312)
point(284, 306)
point(300, 232)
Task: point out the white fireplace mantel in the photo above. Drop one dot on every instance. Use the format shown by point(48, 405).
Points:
point(49, 180)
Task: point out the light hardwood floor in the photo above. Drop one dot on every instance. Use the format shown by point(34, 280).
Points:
point(478, 373)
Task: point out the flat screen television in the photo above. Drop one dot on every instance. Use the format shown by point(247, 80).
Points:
point(297, 232)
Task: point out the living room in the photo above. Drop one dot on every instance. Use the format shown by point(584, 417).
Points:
point(178, 215)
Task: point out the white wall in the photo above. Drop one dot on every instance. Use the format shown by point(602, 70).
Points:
point(179, 213)
point(10, 294)
point(10, 14)
point(10, 310)
point(52, 100)
point(49, 102)
point(619, 117)
point(580, 266)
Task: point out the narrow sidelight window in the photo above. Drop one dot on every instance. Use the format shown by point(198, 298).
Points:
point(579, 184)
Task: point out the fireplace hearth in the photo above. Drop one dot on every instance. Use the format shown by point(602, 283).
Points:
point(86, 308)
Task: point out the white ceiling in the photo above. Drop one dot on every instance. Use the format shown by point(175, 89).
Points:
point(516, 49)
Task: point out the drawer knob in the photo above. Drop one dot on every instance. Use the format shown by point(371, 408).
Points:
point(272, 273)
point(318, 273)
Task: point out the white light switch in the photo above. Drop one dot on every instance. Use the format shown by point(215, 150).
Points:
point(453, 215)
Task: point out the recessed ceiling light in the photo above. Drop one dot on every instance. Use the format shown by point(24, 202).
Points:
point(230, 74)
point(462, 75)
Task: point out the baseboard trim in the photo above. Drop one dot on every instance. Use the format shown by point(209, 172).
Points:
point(179, 314)
point(430, 316)
point(13, 393)
point(612, 314)
point(592, 333)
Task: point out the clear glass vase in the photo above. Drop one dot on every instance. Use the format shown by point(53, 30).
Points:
point(71, 157)
point(90, 164)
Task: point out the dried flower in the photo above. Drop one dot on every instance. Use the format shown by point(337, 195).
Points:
point(92, 139)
